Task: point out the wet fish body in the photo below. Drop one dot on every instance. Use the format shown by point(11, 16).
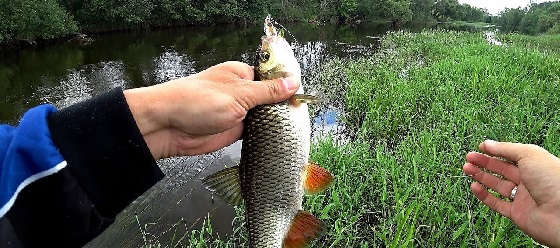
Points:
point(274, 171)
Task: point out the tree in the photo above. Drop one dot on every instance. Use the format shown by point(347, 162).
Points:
point(34, 19)
point(422, 10)
point(538, 18)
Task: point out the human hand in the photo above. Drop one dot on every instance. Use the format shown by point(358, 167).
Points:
point(203, 112)
point(536, 206)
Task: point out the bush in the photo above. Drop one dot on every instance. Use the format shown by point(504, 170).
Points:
point(34, 19)
point(112, 14)
point(539, 18)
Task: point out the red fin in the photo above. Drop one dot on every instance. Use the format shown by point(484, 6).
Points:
point(315, 178)
point(305, 227)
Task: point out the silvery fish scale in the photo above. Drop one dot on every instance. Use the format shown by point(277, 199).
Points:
point(275, 150)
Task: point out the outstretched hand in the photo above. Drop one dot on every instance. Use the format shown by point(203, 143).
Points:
point(203, 112)
point(536, 206)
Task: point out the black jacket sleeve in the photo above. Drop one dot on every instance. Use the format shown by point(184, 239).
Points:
point(109, 165)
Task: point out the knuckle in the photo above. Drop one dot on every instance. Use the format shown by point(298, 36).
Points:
point(249, 72)
point(533, 147)
point(534, 150)
point(245, 98)
point(479, 175)
point(239, 108)
point(492, 203)
point(274, 90)
point(503, 187)
point(241, 69)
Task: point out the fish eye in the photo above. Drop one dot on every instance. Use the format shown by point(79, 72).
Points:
point(263, 56)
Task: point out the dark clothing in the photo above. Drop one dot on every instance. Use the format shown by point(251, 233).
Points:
point(93, 162)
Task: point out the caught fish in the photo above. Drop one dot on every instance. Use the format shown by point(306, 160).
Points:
point(275, 172)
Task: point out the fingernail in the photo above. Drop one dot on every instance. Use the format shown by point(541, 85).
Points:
point(290, 84)
point(490, 142)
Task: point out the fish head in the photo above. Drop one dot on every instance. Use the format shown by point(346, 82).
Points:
point(275, 56)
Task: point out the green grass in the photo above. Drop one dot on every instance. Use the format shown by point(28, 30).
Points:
point(419, 105)
point(548, 43)
point(426, 101)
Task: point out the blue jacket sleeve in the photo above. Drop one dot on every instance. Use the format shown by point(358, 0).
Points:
point(27, 153)
point(66, 174)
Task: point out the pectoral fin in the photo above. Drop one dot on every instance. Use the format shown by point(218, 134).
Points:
point(225, 183)
point(315, 178)
point(305, 227)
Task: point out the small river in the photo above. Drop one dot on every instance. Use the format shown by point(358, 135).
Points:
point(66, 73)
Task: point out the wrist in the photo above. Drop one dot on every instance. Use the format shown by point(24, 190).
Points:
point(146, 108)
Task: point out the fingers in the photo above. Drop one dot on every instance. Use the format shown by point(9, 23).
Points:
point(217, 141)
point(498, 166)
point(494, 203)
point(503, 187)
point(190, 145)
point(267, 92)
point(510, 151)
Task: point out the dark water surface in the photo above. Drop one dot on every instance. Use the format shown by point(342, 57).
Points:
point(67, 73)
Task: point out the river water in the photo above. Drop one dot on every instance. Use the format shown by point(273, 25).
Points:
point(66, 73)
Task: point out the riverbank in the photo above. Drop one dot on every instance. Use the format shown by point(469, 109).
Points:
point(419, 105)
point(37, 20)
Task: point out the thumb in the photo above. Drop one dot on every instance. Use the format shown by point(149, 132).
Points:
point(270, 91)
point(510, 151)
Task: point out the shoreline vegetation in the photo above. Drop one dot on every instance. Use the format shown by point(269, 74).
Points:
point(37, 22)
point(28, 22)
point(419, 105)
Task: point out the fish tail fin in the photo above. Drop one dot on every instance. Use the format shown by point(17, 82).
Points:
point(305, 227)
point(315, 178)
point(226, 184)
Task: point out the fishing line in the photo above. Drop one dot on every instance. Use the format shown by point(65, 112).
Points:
point(285, 29)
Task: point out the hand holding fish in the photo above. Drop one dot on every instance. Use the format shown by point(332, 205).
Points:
point(203, 112)
point(532, 185)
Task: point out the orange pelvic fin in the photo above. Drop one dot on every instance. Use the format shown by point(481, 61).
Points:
point(225, 183)
point(315, 178)
point(305, 227)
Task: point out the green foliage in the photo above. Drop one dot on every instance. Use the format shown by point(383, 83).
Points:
point(426, 101)
point(544, 43)
point(510, 20)
point(112, 14)
point(451, 10)
point(536, 19)
point(347, 8)
point(55, 18)
point(419, 106)
point(422, 10)
point(34, 19)
point(170, 12)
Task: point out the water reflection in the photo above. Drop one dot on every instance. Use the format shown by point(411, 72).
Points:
point(72, 89)
point(327, 123)
point(66, 74)
point(79, 85)
point(491, 38)
point(171, 65)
